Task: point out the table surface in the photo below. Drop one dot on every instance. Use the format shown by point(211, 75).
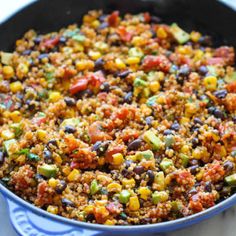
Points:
point(223, 224)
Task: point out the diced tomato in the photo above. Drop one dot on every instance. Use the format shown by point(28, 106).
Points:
point(215, 61)
point(195, 204)
point(226, 53)
point(231, 87)
point(125, 113)
point(113, 18)
point(114, 150)
point(51, 43)
point(69, 72)
point(129, 134)
point(96, 79)
point(80, 85)
point(102, 96)
point(146, 17)
point(71, 142)
point(96, 133)
point(124, 34)
point(156, 62)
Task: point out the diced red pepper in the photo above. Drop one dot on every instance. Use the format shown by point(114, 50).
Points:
point(124, 34)
point(51, 43)
point(231, 87)
point(96, 79)
point(80, 85)
point(156, 62)
point(125, 113)
point(146, 17)
point(113, 18)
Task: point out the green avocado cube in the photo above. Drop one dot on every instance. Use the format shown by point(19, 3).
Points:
point(48, 171)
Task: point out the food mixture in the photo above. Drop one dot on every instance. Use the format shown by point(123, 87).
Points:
point(118, 121)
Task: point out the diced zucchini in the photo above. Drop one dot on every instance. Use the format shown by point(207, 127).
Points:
point(166, 164)
point(94, 187)
point(231, 180)
point(152, 139)
point(148, 154)
point(8, 144)
point(160, 180)
point(180, 35)
point(71, 121)
point(6, 58)
point(140, 83)
point(184, 158)
point(49, 171)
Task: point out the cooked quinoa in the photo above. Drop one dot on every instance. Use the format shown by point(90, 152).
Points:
point(118, 121)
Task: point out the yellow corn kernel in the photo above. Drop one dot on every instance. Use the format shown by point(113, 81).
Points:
point(191, 109)
point(132, 158)
point(101, 161)
point(95, 24)
point(41, 134)
point(198, 55)
point(20, 159)
point(154, 86)
point(88, 19)
point(128, 183)
point(184, 120)
point(133, 60)
point(199, 175)
point(8, 72)
point(185, 149)
point(195, 36)
point(134, 204)
point(66, 170)
point(110, 222)
point(210, 82)
point(114, 187)
point(120, 64)
point(54, 96)
point(78, 47)
point(184, 50)
point(15, 116)
point(7, 134)
point(161, 33)
point(117, 159)
point(138, 41)
point(52, 182)
point(74, 175)
point(81, 65)
point(144, 192)
point(22, 70)
point(89, 209)
point(16, 86)
point(57, 159)
point(52, 209)
point(94, 55)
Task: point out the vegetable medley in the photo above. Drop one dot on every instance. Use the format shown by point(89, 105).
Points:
point(121, 121)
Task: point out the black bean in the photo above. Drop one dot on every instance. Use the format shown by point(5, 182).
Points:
point(225, 191)
point(127, 174)
point(205, 40)
point(145, 221)
point(184, 70)
point(194, 128)
point(39, 177)
point(84, 94)
point(219, 186)
point(219, 114)
point(234, 119)
point(104, 25)
point(66, 202)
point(100, 147)
point(193, 162)
point(194, 169)
point(196, 120)
point(220, 93)
point(62, 39)
point(139, 170)
point(179, 80)
point(202, 70)
point(228, 166)
point(90, 217)
point(41, 56)
point(134, 145)
point(155, 19)
point(153, 33)
point(105, 87)
point(38, 40)
point(1, 157)
point(99, 63)
point(208, 186)
point(123, 74)
point(102, 17)
point(128, 97)
point(148, 120)
point(52, 142)
point(70, 129)
point(211, 110)
point(128, 163)
point(195, 142)
point(61, 187)
point(175, 126)
point(168, 132)
point(26, 52)
point(123, 216)
point(47, 154)
point(69, 101)
point(151, 177)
